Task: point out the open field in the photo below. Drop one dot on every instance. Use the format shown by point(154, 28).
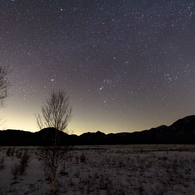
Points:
point(101, 170)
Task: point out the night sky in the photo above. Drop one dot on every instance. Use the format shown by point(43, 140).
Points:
point(126, 65)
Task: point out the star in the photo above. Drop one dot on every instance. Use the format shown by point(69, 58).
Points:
point(125, 58)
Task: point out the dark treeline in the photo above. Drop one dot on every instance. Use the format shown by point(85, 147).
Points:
point(180, 132)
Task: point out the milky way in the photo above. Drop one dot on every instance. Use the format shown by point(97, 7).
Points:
point(126, 65)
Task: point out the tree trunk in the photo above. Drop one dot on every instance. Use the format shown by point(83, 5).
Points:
point(52, 182)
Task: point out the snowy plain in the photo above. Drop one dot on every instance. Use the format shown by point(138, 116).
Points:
point(104, 170)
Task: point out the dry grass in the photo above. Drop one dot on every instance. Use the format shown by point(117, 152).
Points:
point(127, 169)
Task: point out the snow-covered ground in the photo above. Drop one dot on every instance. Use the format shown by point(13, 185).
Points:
point(129, 169)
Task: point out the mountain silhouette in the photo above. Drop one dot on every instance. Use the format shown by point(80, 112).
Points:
point(180, 132)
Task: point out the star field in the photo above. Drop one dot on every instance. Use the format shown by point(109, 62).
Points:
point(126, 65)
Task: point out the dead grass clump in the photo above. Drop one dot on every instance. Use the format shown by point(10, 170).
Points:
point(25, 159)
point(18, 154)
point(15, 170)
point(8, 151)
point(24, 162)
point(2, 162)
point(77, 159)
point(2, 189)
point(82, 158)
point(20, 168)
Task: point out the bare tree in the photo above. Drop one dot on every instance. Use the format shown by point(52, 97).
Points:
point(4, 84)
point(56, 114)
